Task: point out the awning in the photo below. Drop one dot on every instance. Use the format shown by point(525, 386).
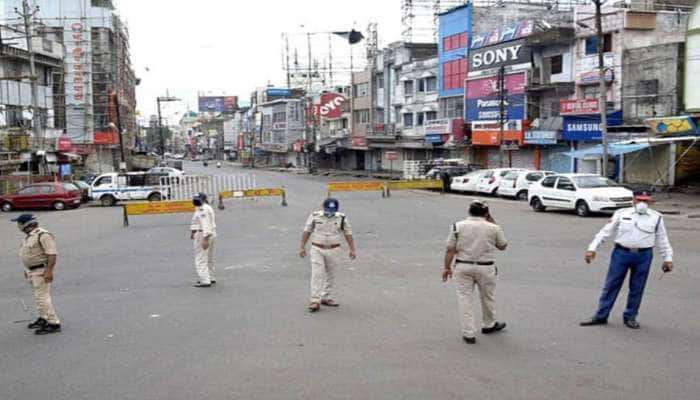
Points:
point(614, 149)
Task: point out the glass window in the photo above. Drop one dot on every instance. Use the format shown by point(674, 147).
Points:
point(408, 88)
point(549, 182)
point(592, 44)
point(511, 175)
point(454, 74)
point(30, 190)
point(431, 84)
point(430, 115)
point(69, 187)
point(408, 120)
point(380, 81)
point(556, 64)
point(593, 182)
point(104, 181)
point(533, 176)
point(565, 184)
point(421, 118)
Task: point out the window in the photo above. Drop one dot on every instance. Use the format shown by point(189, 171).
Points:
point(421, 85)
point(556, 64)
point(554, 108)
point(565, 184)
point(46, 189)
point(452, 107)
point(362, 117)
point(408, 88)
point(361, 90)
point(592, 44)
point(28, 191)
point(380, 81)
point(408, 120)
point(421, 119)
point(533, 176)
point(549, 182)
point(452, 42)
point(138, 180)
point(431, 84)
point(454, 73)
point(430, 115)
point(104, 181)
point(591, 92)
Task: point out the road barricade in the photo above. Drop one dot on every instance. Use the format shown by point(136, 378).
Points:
point(359, 186)
point(248, 193)
point(156, 207)
point(415, 184)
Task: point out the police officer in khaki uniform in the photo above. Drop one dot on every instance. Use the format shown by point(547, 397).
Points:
point(325, 229)
point(38, 253)
point(203, 233)
point(471, 244)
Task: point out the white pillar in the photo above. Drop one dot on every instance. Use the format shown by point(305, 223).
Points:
point(672, 151)
point(621, 173)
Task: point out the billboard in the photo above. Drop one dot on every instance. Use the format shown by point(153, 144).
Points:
point(506, 33)
point(77, 77)
point(587, 127)
point(578, 107)
point(501, 55)
point(483, 100)
point(331, 105)
point(218, 104)
point(587, 71)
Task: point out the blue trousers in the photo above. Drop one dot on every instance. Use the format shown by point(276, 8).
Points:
point(622, 261)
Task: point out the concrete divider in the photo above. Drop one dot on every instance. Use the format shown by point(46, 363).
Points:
point(238, 194)
point(415, 184)
point(156, 207)
point(359, 186)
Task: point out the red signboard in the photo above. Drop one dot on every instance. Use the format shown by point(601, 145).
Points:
point(359, 141)
point(64, 143)
point(392, 155)
point(486, 87)
point(490, 137)
point(331, 105)
point(578, 107)
point(106, 137)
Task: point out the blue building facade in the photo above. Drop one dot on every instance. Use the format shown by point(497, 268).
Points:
point(453, 47)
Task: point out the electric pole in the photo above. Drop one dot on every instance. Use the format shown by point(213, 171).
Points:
point(603, 95)
point(160, 122)
point(501, 114)
point(27, 15)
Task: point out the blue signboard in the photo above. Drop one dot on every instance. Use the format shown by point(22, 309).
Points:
point(434, 139)
point(587, 127)
point(278, 92)
point(489, 108)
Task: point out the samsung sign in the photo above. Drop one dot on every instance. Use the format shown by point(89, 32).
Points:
point(505, 54)
point(587, 127)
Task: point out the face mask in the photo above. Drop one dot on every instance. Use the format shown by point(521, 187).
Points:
point(642, 207)
point(197, 203)
point(329, 213)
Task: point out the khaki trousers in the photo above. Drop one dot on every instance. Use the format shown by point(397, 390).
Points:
point(204, 259)
point(483, 276)
point(42, 296)
point(323, 264)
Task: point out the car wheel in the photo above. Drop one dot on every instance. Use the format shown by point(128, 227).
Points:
point(59, 206)
point(537, 205)
point(155, 197)
point(494, 192)
point(6, 207)
point(582, 209)
point(108, 201)
point(522, 195)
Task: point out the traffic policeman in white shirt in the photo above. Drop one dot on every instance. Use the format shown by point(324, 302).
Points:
point(203, 233)
point(636, 231)
point(325, 229)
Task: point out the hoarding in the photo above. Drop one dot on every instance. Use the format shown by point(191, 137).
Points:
point(438, 126)
point(506, 33)
point(669, 126)
point(484, 103)
point(587, 127)
point(501, 55)
point(541, 137)
point(578, 107)
point(278, 92)
point(218, 104)
point(587, 69)
point(77, 76)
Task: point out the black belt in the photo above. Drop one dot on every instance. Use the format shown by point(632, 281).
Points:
point(475, 262)
point(326, 246)
point(34, 267)
point(627, 249)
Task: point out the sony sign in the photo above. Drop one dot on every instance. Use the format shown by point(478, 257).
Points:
point(504, 54)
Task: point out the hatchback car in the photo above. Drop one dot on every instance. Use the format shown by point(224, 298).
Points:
point(491, 180)
point(517, 183)
point(56, 195)
point(468, 182)
point(584, 193)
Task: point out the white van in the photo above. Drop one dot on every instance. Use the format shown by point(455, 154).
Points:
point(112, 187)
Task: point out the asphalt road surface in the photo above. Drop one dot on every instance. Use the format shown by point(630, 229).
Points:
point(135, 328)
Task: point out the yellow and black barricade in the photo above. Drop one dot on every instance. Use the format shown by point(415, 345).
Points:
point(415, 184)
point(359, 186)
point(239, 194)
point(156, 207)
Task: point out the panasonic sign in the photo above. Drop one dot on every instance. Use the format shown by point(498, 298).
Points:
point(509, 53)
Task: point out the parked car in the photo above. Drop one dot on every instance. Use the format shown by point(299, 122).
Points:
point(491, 180)
point(516, 183)
point(169, 171)
point(584, 193)
point(84, 190)
point(112, 187)
point(56, 195)
point(468, 182)
point(450, 170)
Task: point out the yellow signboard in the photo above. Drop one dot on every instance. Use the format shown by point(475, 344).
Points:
point(355, 186)
point(417, 184)
point(159, 207)
point(251, 193)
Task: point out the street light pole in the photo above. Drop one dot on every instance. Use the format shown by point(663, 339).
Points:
point(160, 121)
point(603, 95)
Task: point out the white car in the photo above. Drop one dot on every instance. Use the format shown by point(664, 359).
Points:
point(491, 179)
point(466, 183)
point(517, 183)
point(170, 171)
point(584, 193)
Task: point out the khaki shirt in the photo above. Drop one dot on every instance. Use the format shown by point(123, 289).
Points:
point(37, 247)
point(327, 231)
point(475, 239)
point(204, 220)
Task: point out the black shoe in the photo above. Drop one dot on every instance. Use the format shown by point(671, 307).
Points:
point(213, 281)
point(498, 326)
point(48, 328)
point(594, 321)
point(199, 284)
point(40, 322)
point(469, 340)
point(631, 323)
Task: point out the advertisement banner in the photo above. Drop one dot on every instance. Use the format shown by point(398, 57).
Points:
point(107, 137)
point(587, 127)
point(64, 143)
point(587, 68)
point(77, 77)
point(218, 104)
point(578, 107)
point(669, 126)
point(489, 108)
point(490, 137)
point(438, 126)
point(159, 207)
point(278, 92)
point(541, 137)
point(486, 87)
point(501, 55)
point(506, 33)
point(331, 105)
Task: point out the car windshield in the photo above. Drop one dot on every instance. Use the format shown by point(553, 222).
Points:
point(512, 175)
point(587, 182)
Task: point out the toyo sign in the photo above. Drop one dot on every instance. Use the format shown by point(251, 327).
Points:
point(331, 105)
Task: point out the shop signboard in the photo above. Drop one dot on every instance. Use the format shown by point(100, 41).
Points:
point(587, 127)
point(483, 100)
point(491, 137)
point(64, 143)
point(438, 126)
point(359, 141)
point(506, 33)
point(392, 155)
point(578, 107)
point(218, 104)
point(278, 93)
point(331, 106)
point(501, 55)
point(587, 69)
point(541, 137)
point(669, 126)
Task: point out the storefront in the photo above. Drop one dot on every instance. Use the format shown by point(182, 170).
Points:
point(584, 131)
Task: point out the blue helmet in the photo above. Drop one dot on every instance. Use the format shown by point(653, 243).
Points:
point(331, 205)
